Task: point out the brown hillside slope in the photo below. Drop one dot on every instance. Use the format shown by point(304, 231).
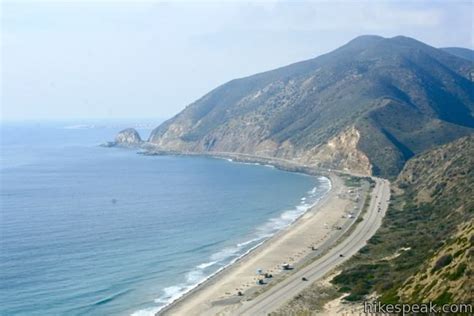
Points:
point(367, 106)
point(424, 248)
point(429, 228)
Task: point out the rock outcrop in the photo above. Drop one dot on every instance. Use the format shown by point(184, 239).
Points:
point(126, 138)
point(340, 152)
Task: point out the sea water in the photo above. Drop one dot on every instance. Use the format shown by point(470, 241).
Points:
point(88, 230)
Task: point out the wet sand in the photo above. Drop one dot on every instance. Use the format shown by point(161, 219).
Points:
point(293, 245)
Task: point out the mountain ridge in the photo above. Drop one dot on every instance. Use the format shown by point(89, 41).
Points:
point(367, 106)
point(461, 52)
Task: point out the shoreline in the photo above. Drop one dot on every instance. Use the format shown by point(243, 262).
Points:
point(200, 306)
point(278, 163)
point(191, 299)
point(162, 310)
point(289, 245)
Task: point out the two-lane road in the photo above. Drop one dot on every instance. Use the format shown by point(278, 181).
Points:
point(282, 292)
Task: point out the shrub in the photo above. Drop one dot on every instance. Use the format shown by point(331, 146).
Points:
point(442, 262)
point(458, 273)
point(390, 297)
point(444, 298)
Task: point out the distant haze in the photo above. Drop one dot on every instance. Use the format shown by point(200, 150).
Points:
point(104, 59)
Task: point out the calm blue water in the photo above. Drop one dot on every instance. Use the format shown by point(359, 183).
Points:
point(86, 230)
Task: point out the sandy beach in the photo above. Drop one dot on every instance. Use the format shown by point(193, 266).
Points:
point(322, 224)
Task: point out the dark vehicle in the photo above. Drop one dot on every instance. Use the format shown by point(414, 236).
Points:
point(304, 279)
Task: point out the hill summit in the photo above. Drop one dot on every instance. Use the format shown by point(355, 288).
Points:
point(367, 106)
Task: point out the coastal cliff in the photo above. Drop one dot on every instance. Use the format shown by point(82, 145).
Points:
point(368, 107)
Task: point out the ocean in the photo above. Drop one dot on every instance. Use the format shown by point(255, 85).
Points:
point(88, 230)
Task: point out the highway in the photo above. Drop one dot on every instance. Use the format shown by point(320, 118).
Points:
point(282, 292)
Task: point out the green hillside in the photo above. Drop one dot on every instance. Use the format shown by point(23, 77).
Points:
point(424, 249)
point(378, 100)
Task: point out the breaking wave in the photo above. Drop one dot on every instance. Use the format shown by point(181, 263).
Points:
point(228, 255)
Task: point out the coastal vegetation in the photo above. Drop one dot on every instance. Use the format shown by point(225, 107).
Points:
point(350, 181)
point(390, 107)
point(309, 189)
point(424, 248)
point(368, 107)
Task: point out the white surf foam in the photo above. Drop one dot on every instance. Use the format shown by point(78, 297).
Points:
point(245, 243)
point(207, 264)
point(147, 312)
point(229, 255)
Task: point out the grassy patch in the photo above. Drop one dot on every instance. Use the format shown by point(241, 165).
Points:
point(444, 298)
point(456, 275)
point(353, 181)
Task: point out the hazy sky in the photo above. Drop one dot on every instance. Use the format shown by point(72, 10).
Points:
point(147, 59)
